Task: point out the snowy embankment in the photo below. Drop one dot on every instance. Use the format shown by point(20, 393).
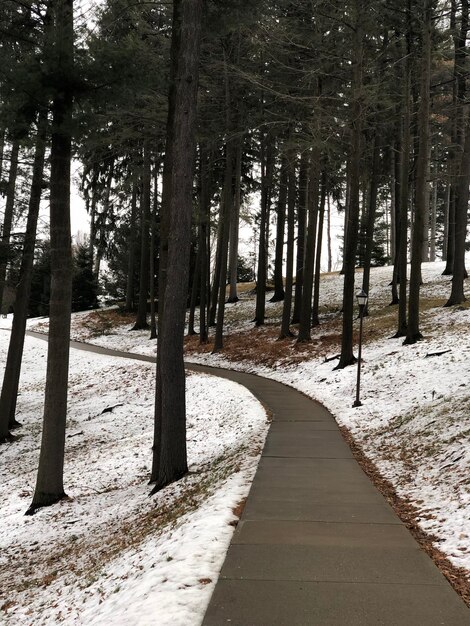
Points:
point(415, 420)
point(111, 554)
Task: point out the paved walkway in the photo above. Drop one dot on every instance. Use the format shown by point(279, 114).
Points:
point(317, 544)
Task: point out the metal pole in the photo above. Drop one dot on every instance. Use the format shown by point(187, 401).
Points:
point(358, 385)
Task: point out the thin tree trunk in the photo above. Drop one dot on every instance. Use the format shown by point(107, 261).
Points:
point(225, 218)
point(371, 213)
point(457, 295)
point(301, 232)
point(15, 349)
point(153, 248)
point(432, 250)
point(307, 287)
point(141, 318)
point(393, 206)
point(214, 289)
point(402, 238)
point(279, 292)
point(234, 226)
point(2, 147)
point(328, 233)
point(460, 74)
point(172, 454)
point(316, 286)
point(422, 197)
point(101, 245)
point(49, 484)
point(291, 192)
point(446, 223)
point(8, 219)
point(195, 285)
point(130, 290)
point(267, 169)
point(347, 357)
point(203, 245)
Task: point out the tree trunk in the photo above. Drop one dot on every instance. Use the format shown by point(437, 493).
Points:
point(347, 357)
point(301, 230)
point(307, 287)
point(396, 208)
point(171, 453)
point(49, 485)
point(195, 285)
point(130, 303)
point(8, 219)
point(225, 225)
point(291, 193)
point(279, 292)
point(422, 197)
point(153, 248)
point(214, 290)
point(316, 286)
point(328, 233)
point(457, 295)
point(267, 171)
point(15, 349)
point(234, 226)
point(432, 249)
point(402, 237)
point(204, 244)
point(101, 245)
point(460, 74)
point(371, 213)
point(2, 147)
point(446, 223)
point(165, 214)
point(141, 318)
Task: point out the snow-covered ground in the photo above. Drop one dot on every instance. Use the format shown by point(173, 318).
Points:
point(414, 425)
point(111, 554)
point(415, 420)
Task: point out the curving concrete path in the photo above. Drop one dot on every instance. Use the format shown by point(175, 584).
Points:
point(317, 544)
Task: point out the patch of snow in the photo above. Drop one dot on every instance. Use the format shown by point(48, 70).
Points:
point(112, 554)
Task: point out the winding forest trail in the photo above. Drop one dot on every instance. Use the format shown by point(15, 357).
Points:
point(317, 544)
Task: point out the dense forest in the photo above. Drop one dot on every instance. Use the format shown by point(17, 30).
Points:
point(191, 117)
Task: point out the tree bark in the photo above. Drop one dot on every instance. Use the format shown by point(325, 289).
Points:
point(291, 192)
point(371, 213)
point(234, 226)
point(204, 244)
point(307, 286)
point(49, 484)
point(402, 237)
point(15, 349)
point(279, 292)
point(141, 318)
point(459, 94)
point(316, 285)
point(432, 248)
point(130, 303)
point(422, 197)
point(153, 248)
point(8, 219)
point(301, 231)
point(225, 226)
point(347, 357)
point(172, 454)
point(267, 171)
point(457, 295)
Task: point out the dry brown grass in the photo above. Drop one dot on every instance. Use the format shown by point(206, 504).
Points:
point(102, 322)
